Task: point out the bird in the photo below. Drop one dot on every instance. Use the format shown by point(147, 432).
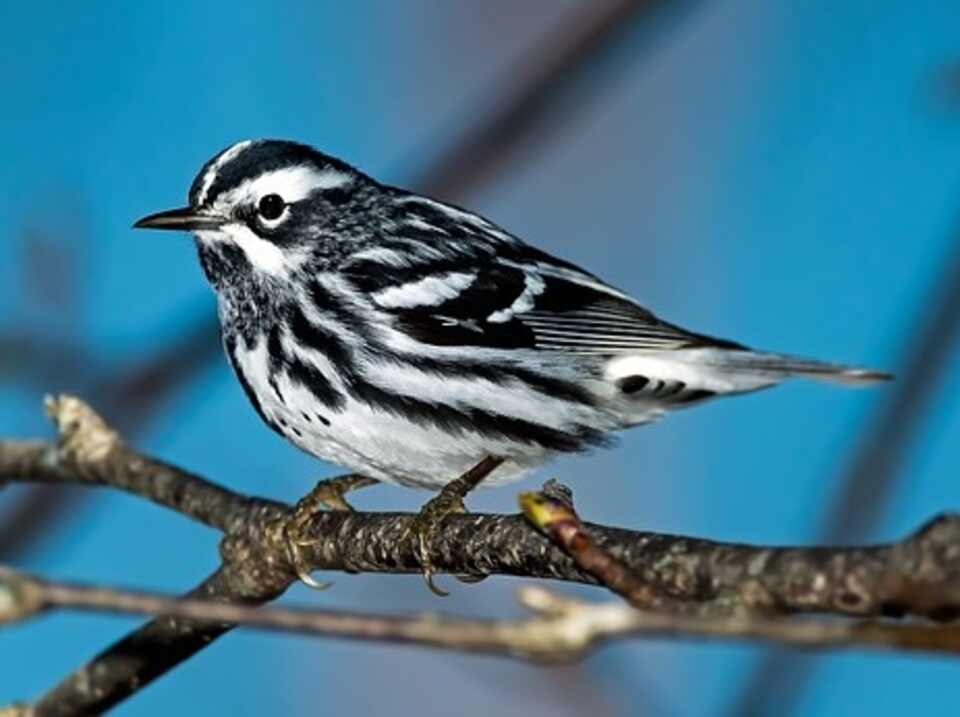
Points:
point(410, 340)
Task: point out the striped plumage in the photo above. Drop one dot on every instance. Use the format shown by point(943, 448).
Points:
point(407, 339)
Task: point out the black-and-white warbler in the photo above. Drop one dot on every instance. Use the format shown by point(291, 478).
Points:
point(407, 339)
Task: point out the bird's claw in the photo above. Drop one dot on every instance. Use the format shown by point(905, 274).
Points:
point(326, 494)
point(425, 527)
point(449, 501)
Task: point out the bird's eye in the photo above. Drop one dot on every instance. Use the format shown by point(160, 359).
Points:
point(271, 206)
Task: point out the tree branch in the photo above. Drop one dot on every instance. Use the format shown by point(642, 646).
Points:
point(919, 576)
point(710, 589)
point(139, 658)
point(90, 452)
point(561, 629)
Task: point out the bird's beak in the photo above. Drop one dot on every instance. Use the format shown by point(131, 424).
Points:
point(185, 219)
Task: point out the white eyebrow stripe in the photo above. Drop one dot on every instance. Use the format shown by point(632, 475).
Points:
point(291, 183)
point(211, 174)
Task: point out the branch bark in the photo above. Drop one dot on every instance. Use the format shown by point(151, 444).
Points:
point(709, 588)
point(139, 658)
point(919, 576)
point(561, 629)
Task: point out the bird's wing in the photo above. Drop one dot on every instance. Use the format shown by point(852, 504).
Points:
point(520, 298)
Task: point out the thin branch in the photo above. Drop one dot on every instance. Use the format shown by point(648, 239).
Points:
point(561, 630)
point(90, 452)
point(552, 512)
point(145, 654)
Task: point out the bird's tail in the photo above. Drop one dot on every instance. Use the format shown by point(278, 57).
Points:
point(746, 367)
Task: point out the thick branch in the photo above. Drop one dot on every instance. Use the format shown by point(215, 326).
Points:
point(711, 589)
point(919, 576)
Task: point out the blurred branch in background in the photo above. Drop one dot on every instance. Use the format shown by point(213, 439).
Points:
point(132, 398)
point(549, 88)
point(36, 358)
point(560, 76)
point(944, 90)
point(686, 586)
point(48, 348)
point(49, 342)
point(876, 463)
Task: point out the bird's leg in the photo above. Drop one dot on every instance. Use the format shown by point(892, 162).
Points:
point(329, 493)
point(326, 494)
point(449, 501)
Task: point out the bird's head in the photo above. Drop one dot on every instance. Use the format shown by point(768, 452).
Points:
point(266, 208)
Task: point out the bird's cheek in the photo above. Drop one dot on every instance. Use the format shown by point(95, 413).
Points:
point(263, 255)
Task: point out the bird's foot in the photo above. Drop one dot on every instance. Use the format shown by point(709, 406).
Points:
point(425, 528)
point(449, 501)
point(326, 494)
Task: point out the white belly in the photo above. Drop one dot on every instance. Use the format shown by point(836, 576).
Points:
point(375, 442)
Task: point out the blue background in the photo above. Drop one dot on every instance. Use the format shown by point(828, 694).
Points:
point(785, 174)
